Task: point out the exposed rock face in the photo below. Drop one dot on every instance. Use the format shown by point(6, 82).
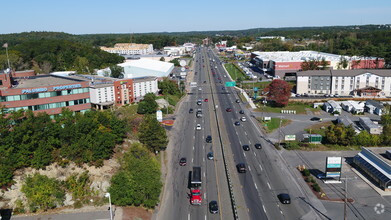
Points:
point(100, 178)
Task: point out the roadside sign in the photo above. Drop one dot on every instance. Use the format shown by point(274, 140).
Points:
point(230, 84)
point(159, 115)
point(290, 137)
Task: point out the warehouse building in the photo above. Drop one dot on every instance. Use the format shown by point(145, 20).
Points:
point(146, 67)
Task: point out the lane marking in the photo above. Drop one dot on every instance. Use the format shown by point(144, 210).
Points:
point(205, 196)
point(237, 133)
point(255, 153)
point(245, 133)
point(264, 208)
point(203, 159)
point(192, 160)
point(193, 147)
point(249, 168)
point(188, 216)
point(256, 187)
point(281, 212)
point(244, 154)
point(203, 147)
point(205, 217)
point(204, 174)
point(268, 185)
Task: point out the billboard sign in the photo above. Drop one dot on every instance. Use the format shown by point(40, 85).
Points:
point(333, 167)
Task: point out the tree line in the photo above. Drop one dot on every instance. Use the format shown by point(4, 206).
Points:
point(29, 140)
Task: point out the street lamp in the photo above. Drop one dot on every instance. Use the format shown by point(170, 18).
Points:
point(107, 195)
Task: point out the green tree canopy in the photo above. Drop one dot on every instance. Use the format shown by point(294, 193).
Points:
point(148, 105)
point(117, 71)
point(152, 134)
point(138, 181)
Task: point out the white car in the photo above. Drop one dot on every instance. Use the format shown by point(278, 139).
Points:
point(199, 89)
point(198, 128)
point(243, 118)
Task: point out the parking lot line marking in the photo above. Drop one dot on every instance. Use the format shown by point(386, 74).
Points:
point(263, 206)
point(268, 185)
point(260, 167)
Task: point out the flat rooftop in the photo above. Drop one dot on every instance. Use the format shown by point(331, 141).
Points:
point(381, 153)
point(43, 81)
point(300, 56)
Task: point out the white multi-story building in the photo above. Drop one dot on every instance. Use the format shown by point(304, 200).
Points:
point(102, 95)
point(144, 85)
point(361, 82)
point(129, 48)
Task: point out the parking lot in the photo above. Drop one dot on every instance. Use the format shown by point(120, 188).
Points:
point(368, 203)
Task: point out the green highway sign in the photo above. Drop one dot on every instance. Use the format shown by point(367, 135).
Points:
point(230, 84)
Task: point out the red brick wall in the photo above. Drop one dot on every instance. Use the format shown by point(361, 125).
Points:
point(118, 91)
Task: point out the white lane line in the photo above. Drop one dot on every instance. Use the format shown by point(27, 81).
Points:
point(193, 147)
point(249, 168)
point(192, 160)
point(188, 216)
point(260, 167)
point(268, 185)
point(245, 133)
point(203, 147)
point(255, 153)
point(205, 217)
point(236, 133)
point(244, 154)
point(203, 159)
point(256, 187)
point(281, 212)
point(205, 196)
point(264, 208)
point(204, 174)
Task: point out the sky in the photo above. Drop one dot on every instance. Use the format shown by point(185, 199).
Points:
point(143, 16)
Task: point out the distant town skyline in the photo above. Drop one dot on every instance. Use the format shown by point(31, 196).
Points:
point(124, 16)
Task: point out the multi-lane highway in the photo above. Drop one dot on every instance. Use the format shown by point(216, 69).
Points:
point(255, 192)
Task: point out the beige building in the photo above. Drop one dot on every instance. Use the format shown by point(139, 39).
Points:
point(361, 82)
point(129, 48)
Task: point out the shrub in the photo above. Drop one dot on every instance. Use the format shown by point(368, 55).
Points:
point(316, 187)
point(306, 172)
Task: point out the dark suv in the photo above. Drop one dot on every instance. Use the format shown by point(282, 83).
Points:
point(246, 147)
point(284, 198)
point(258, 146)
point(191, 110)
point(208, 139)
point(241, 167)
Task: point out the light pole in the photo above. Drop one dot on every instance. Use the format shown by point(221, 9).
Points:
point(107, 195)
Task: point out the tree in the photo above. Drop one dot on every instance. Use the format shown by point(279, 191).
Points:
point(42, 192)
point(81, 65)
point(279, 92)
point(162, 59)
point(148, 105)
point(138, 180)
point(175, 62)
point(152, 134)
point(117, 71)
point(168, 87)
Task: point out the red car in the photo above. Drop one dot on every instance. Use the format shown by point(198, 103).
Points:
point(228, 110)
point(205, 100)
point(182, 161)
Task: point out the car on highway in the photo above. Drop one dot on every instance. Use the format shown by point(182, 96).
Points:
point(199, 102)
point(237, 101)
point(237, 123)
point(210, 156)
point(228, 109)
point(243, 118)
point(206, 100)
point(284, 198)
point(199, 89)
point(241, 112)
point(204, 81)
point(208, 139)
point(213, 207)
point(316, 119)
point(198, 128)
point(258, 146)
point(241, 167)
point(191, 110)
point(223, 88)
point(246, 147)
point(182, 161)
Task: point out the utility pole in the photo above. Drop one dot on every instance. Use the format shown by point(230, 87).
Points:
point(279, 138)
point(6, 51)
point(345, 214)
